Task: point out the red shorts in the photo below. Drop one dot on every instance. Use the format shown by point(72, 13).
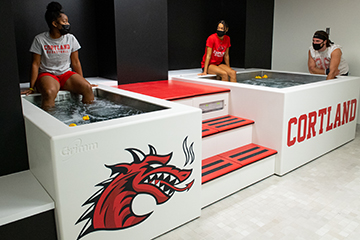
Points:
point(60, 78)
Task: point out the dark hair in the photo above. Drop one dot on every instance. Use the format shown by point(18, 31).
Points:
point(324, 36)
point(53, 12)
point(223, 23)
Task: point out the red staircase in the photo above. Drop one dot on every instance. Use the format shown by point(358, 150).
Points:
point(231, 161)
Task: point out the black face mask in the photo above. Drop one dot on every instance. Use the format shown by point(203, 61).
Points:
point(318, 46)
point(65, 29)
point(220, 33)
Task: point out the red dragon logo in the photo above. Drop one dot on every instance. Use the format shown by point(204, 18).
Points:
point(111, 205)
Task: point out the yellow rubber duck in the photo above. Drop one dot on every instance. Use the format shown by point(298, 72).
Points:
point(72, 125)
point(85, 118)
point(258, 77)
point(265, 76)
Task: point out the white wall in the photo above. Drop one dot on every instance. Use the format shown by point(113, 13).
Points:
point(296, 21)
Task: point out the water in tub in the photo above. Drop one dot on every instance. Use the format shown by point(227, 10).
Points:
point(73, 112)
point(271, 82)
point(274, 79)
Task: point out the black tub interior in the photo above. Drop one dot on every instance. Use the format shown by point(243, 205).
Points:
point(107, 105)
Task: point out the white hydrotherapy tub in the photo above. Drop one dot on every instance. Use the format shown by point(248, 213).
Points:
point(133, 177)
point(301, 122)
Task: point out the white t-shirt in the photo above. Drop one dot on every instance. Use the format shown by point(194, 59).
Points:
point(55, 53)
point(322, 59)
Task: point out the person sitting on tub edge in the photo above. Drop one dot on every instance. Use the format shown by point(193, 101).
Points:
point(325, 57)
point(216, 59)
point(53, 52)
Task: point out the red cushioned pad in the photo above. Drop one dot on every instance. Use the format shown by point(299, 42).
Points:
point(217, 166)
point(248, 154)
point(224, 123)
point(171, 89)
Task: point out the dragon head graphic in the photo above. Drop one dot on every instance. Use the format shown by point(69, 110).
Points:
point(111, 206)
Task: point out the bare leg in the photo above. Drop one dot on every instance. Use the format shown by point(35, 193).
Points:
point(48, 87)
point(231, 72)
point(213, 69)
point(78, 84)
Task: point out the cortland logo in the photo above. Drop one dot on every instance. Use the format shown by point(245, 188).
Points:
point(218, 53)
point(221, 48)
point(111, 206)
point(306, 123)
point(322, 64)
point(78, 147)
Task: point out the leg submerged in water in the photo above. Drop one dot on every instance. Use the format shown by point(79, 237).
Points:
point(230, 72)
point(48, 87)
point(78, 84)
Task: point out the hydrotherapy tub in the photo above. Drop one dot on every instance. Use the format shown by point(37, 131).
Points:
point(134, 177)
point(301, 122)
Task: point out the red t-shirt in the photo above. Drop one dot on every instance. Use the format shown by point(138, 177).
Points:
point(218, 49)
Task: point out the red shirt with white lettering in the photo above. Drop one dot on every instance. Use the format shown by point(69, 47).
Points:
point(218, 49)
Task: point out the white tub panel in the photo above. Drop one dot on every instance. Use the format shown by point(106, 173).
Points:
point(234, 181)
point(75, 160)
point(226, 141)
point(197, 101)
point(315, 100)
point(187, 101)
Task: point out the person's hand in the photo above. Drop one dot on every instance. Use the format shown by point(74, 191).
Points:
point(93, 85)
point(336, 73)
point(202, 74)
point(27, 91)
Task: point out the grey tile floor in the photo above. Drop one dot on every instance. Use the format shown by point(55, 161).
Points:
point(320, 200)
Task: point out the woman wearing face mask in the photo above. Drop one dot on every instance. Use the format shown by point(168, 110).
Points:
point(53, 53)
point(216, 59)
point(325, 57)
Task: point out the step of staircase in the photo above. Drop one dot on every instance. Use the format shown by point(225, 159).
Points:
point(226, 167)
point(223, 123)
point(229, 161)
point(24, 202)
point(224, 133)
point(231, 171)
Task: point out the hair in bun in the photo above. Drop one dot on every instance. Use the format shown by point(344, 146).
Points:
point(53, 12)
point(54, 6)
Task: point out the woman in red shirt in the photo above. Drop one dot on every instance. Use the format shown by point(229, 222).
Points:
point(216, 59)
